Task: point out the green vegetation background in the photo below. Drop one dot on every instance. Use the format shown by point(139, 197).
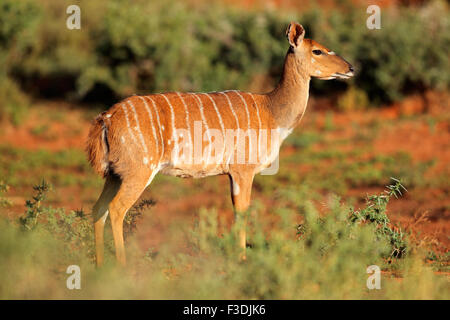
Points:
point(128, 47)
point(282, 264)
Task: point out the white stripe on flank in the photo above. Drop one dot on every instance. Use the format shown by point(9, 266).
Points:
point(217, 111)
point(220, 120)
point(232, 109)
point(237, 121)
point(159, 126)
point(248, 122)
point(200, 106)
point(151, 121)
point(258, 132)
point(187, 118)
point(172, 113)
point(138, 128)
point(124, 108)
point(173, 127)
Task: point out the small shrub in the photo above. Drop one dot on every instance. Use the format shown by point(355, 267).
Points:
point(353, 99)
point(74, 228)
point(3, 189)
point(134, 215)
point(375, 213)
point(15, 103)
point(34, 209)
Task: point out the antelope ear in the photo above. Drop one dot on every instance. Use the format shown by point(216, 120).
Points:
point(295, 34)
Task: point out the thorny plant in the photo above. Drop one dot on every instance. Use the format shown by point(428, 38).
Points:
point(134, 215)
point(375, 212)
point(33, 207)
point(74, 227)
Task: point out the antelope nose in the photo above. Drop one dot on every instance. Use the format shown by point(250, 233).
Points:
point(351, 68)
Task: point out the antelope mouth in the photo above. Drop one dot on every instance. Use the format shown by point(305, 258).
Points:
point(339, 75)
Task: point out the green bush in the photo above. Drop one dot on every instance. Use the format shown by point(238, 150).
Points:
point(3, 189)
point(15, 102)
point(159, 46)
point(152, 46)
point(16, 38)
point(324, 258)
point(353, 99)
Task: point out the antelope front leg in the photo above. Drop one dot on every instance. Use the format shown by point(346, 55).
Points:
point(241, 187)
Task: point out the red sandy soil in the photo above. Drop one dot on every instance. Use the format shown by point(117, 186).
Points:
point(60, 133)
point(424, 212)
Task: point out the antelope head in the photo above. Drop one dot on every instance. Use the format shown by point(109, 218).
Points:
point(318, 61)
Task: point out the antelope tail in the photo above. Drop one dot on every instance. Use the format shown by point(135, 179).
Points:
point(97, 147)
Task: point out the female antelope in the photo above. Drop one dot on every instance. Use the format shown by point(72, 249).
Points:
point(201, 134)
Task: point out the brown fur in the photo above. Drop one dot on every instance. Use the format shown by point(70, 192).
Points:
point(96, 146)
point(134, 140)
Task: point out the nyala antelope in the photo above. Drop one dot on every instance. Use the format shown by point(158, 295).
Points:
point(140, 136)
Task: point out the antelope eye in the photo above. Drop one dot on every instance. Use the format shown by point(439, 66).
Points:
point(317, 52)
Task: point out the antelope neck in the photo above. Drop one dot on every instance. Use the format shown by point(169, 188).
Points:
point(288, 100)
